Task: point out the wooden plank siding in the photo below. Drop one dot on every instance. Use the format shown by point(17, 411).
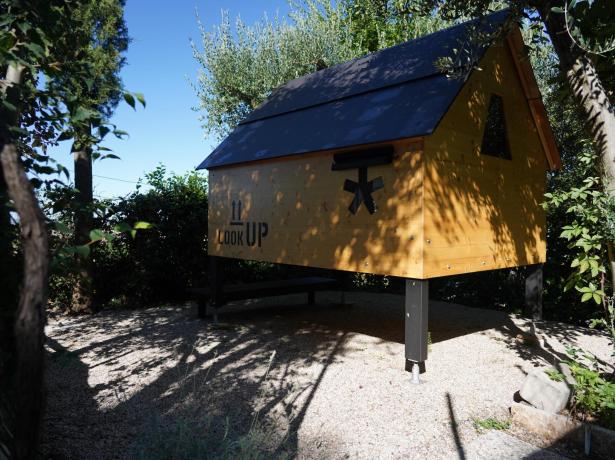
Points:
point(306, 211)
point(483, 212)
point(445, 209)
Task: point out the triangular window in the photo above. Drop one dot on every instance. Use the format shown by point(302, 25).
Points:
point(495, 137)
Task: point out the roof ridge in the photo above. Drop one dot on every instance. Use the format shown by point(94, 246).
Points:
point(346, 65)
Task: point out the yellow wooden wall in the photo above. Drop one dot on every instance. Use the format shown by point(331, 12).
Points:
point(483, 212)
point(306, 209)
point(445, 208)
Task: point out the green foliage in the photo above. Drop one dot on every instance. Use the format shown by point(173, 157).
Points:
point(589, 215)
point(41, 43)
point(375, 25)
point(105, 33)
point(241, 65)
point(159, 263)
point(590, 208)
point(555, 375)
point(594, 394)
point(481, 425)
point(607, 321)
point(147, 247)
point(590, 23)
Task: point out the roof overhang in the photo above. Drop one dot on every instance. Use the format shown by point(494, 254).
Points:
point(534, 98)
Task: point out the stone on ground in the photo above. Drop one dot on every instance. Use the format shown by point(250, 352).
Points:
point(544, 393)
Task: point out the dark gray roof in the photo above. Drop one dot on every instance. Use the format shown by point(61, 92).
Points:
point(391, 94)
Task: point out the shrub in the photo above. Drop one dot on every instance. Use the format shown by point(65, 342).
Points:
point(160, 262)
point(594, 392)
point(150, 266)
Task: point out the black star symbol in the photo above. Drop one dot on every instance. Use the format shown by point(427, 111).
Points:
point(363, 191)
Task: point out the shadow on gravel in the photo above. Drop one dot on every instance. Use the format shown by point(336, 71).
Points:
point(223, 380)
point(160, 366)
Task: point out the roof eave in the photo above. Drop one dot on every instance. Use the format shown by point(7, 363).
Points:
point(534, 98)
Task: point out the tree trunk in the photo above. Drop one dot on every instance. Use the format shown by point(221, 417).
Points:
point(8, 298)
point(588, 91)
point(8, 306)
point(30, 317)
point(82, 298)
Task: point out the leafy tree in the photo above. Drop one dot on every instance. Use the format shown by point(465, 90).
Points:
point(240, 66)
point(378, 24)
point(130, 268)
point(92, 101)
point(40, 40)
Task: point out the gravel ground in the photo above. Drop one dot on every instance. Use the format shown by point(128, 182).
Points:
point(325, 381)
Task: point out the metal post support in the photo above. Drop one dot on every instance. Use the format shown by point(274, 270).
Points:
point(533, 292)
point(216, 280)
point(417, 305)
point(202, 302)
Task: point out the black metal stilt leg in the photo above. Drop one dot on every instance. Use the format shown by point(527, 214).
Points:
point(416, 336)
point(216, 280)
point(533, 292)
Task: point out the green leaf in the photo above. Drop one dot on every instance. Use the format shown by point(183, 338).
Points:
point(130, 100)
point(65, 135)
point(111, 156)
point(7, 41)
point(62, 228)
point(142, 225)
point(586, 296)
point(140, 98)
point(89, 82)
point(119, 133)
point(9, 106)
point(97, 235)
point(122, 227)
point(36, 49)
point(83, 250)
point(82, 114)
point(103, 131)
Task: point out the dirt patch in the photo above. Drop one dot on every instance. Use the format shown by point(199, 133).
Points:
point(322, 381)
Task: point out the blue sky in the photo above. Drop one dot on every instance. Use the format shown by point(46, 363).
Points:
point(159, 65)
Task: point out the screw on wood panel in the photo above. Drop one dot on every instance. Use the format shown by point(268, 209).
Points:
point(428, 241)
point(483, 262)
point(448, 266)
